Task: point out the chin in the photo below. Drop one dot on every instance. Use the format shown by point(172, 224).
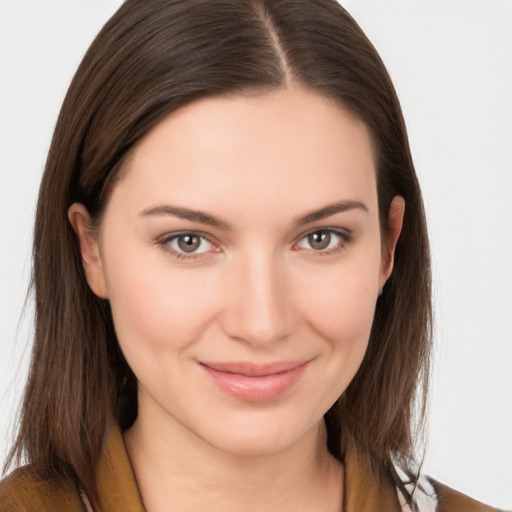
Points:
point(259, 437)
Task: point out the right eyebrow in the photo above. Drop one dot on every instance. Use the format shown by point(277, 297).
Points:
point(187, 214)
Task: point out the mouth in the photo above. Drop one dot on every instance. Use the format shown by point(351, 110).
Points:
point(255, 382)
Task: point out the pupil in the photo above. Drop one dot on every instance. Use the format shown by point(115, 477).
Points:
point(319, 240)
point(188, 243)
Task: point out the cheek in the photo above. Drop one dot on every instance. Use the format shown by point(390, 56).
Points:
point(343, 318)
point(155, 308)
point(341, 303)
point(340, 308)
point(337, 307)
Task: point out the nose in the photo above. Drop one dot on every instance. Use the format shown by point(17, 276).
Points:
point(260, 307)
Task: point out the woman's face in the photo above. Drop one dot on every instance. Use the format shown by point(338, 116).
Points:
point(241, 255)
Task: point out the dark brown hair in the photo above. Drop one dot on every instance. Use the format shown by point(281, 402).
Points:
point(151, 58)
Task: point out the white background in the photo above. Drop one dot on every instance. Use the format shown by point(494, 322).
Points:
point(451, 62)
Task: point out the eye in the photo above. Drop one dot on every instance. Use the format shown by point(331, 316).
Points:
point(324, 241)
point(187, 245)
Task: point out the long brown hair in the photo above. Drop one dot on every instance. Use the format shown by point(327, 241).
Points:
point(151, 58)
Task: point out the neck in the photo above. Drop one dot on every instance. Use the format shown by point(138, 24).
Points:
point(177, 470)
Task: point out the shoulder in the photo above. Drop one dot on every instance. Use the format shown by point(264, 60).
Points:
point(451, 500)
point(24, 491)
point(429, 495)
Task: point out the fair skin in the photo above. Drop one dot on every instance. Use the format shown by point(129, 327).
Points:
point(244, 325)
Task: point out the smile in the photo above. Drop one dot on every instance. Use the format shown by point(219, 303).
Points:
point(255, 383)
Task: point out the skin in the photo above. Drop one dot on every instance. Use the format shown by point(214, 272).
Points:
point(261, 291)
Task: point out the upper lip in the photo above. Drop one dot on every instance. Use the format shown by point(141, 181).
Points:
point(252, 369)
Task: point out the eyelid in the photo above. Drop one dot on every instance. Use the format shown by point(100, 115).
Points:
point(344, 234)
point(163, 242)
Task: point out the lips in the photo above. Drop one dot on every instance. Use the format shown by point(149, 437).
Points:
point(254, 382)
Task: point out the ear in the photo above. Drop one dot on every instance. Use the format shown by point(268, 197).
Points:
point(395, 220)
point(79, 219)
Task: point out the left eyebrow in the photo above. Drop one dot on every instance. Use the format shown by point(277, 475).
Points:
point(332, 209)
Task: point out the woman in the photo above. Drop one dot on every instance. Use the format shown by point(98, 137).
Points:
point(231, 271)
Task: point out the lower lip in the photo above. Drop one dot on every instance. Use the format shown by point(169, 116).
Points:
point(256, 389)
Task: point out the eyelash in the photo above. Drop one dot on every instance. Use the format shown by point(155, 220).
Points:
point(345, 237)
point(165, 241)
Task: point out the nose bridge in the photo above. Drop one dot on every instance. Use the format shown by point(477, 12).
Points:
point(261, 310)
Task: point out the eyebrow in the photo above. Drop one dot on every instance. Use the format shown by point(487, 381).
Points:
point(217, 222)
point(331, 209)
point(187, 214)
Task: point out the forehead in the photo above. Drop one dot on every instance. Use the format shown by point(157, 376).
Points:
point(285, 146)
